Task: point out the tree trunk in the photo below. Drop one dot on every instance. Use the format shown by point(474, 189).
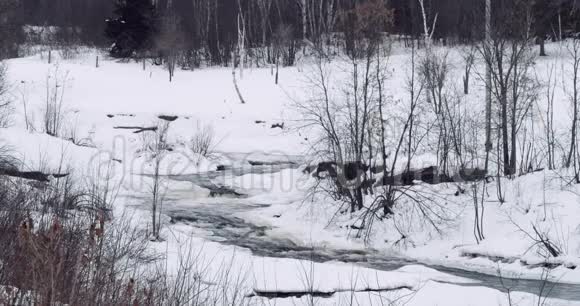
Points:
point(571, 153)
point(504, 128)
point(573, 141)
point(237, 88)
point(304, 24)
point(513, 156)
point(488, 144)
point(359, 198)
point(542, 46)
point(277, 65)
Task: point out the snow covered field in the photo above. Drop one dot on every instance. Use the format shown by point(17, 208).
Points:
point(99, 102)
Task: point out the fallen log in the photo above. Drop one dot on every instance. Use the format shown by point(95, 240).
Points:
point(31, 175)
point(270, 163)
point(139, 129)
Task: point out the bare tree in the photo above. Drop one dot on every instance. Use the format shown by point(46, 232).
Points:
point(342, 124)
point(240, 58)
point(157, 146)
point(428, 30)
point(549, 119)
point(572, 158)
point(414, 89)
point(304, 13)
point(241, 48)
point(264, 6)
point(282, 40)
point(344, 111)
point(488, 143)
point(509, 58)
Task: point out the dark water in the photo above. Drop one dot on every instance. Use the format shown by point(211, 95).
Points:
point(222, 226)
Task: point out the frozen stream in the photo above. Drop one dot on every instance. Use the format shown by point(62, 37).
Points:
point(220, 223)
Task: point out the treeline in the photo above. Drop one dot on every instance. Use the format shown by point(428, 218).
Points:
point(209, 30)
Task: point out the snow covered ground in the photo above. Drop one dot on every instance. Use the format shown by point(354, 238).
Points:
point(97, 101)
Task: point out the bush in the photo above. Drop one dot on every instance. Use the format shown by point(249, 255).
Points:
point(203, 141)
point(51, 251)
point(54, 110)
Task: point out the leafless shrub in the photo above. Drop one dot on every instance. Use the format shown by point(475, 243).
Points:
point(52, 252)
point(28, 114)
point(541, 239)
point(54, 111)
point(203, 141)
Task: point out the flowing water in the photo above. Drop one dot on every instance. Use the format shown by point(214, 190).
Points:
point(220, 223)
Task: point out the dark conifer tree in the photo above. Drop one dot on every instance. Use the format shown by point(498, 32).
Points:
point(133, 28)
point(545, 17)
point(10, 29)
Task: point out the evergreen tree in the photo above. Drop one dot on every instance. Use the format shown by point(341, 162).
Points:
point(133, 28)
point(11, 34)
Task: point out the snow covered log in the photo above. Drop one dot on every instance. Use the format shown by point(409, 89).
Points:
point(30, 175)
point(138, 129)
